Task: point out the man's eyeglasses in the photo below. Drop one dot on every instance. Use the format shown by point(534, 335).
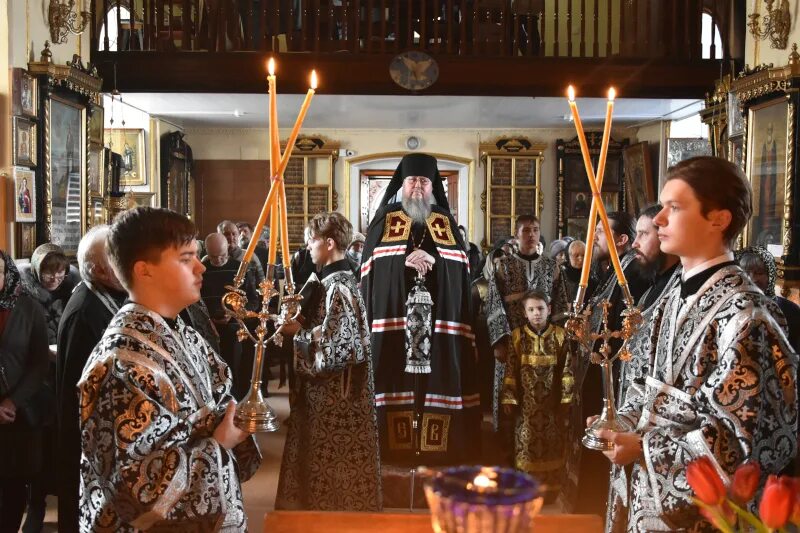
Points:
point(421, 180)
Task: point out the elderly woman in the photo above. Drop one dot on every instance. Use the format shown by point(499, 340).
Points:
point(759, 264)
point(52, 285)
point(23, 365)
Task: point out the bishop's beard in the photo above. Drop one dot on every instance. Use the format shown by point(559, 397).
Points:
point(419, 209)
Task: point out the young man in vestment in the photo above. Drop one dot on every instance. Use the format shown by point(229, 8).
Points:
point(663, 270)
point(537, 392)
point(159, 446)
point(721, 380)
point(516, 274)
point(426, 391)
point(330, 460)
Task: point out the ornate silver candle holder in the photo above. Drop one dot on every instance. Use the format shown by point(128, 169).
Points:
point(579, 329)
point(254, 414)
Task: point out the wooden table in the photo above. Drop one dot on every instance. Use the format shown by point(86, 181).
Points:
point(311, 521)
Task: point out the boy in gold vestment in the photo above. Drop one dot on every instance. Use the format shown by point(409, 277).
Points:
point(537, 392)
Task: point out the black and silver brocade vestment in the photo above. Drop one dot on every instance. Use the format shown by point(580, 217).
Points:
point(720, 383)
point(150, 399)
point(330, 460)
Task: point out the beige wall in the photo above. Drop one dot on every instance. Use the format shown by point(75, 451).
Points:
point(250, 144)
point(757, 52)
point(29, 30)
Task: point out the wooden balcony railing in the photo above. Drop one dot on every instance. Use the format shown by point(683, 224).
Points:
point(556, 28)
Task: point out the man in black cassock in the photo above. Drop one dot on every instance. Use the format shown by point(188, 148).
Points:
point(87, 314)
point(427, 397)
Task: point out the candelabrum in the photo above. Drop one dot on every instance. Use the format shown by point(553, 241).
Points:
point(254, 414)
point(579, 329)
point(63, 20)
point(776, 24)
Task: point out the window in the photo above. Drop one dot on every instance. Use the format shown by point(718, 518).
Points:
point(705, 39)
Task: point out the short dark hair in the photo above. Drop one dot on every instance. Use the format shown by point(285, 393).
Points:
point(54, 262)
point(717, 184)
point(622, 223)
point(334, 226)
point(536, 294)
point(650, 211)
point(142, 233)
point(247, 225)
point(525, 219)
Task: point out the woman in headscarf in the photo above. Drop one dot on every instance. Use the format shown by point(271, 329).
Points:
point(51, 285)
point(760, 265)
point(23, 365)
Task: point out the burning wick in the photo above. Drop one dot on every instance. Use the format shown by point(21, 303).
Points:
point(481, 483)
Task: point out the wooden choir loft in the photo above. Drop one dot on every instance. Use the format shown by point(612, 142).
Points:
point(657, 47)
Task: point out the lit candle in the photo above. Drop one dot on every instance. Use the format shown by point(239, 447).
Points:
point(298, 123)
point(284, 226)
point(482, 481)
point(274, 221)
point(268, 208)
point(596, 199)
point(274, 139)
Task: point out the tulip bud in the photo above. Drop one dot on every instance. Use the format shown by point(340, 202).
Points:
point(704, 480)
point(777, 502)
point(796, 509)
point(745, 482)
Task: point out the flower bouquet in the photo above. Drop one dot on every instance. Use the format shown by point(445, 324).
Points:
point(727, 509)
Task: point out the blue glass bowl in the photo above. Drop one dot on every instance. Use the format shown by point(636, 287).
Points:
point(477, 499)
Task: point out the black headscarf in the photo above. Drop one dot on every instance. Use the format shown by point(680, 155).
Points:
point(417, 165)
point(13, 285)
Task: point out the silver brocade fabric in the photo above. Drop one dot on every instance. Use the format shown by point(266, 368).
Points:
point(721, 383)
point(150, 399)
point(331, 458)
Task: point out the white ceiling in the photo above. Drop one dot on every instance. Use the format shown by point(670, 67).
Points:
point(400, 112)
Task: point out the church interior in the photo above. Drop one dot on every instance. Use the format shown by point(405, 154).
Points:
point(113, 104)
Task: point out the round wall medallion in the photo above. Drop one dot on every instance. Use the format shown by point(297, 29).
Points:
point(412, 143)
point(414, 70)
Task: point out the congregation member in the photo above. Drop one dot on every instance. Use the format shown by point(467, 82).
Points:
point(474, 255)
point(220, 269)
point(515, 274)
point(23, 368)
point(330, 459)
point(51, 284)
point(721, 384)
point(354, 252)
point(537, 392)
point(662, 270)
point(426, 386)
point(302, 266)
point(570, 275)
point(231, 233)
point(49, 278)
point(261, 251)
point(159, 446)
point(760, 265)
point(90, 308)
point(588, 468)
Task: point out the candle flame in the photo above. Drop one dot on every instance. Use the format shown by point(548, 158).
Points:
point(571, 93)
point(611, 94)
point(314, 79)
point(271, 66)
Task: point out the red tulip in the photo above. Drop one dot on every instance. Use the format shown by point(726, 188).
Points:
point(745, 482)
point(796, 507)
point(704, 480)
point(777, 502)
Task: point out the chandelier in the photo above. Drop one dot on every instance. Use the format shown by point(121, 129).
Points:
point(63, 20)
point(776, 24)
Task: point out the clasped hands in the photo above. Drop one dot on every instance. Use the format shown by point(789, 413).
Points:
point(421, 261)
point(627, 446)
